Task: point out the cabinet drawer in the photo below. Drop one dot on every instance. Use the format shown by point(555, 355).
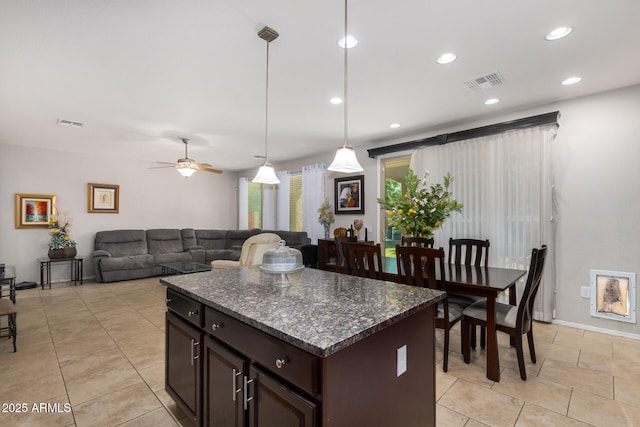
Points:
point(185, 307)
point(284, 360)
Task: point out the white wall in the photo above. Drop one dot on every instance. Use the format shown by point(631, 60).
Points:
point(595, 160)
point(149, 198)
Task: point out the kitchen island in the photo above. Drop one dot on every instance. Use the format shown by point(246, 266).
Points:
point(327, 350)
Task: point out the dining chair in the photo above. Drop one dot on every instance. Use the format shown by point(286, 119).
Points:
point(364, 259)
point(417, 267)
point(342, 266)
point(469, 252)
point(513, 320)
point(418, 241)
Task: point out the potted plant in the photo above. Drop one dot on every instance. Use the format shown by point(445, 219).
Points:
point(422, 208)
point(61, 246)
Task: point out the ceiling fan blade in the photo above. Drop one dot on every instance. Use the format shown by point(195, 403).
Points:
point(202, 167)
point(171, 165)
point(166, 163)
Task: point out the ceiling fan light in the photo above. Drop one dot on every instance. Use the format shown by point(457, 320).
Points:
point(266, 175)
point(345, 160)
point(185, 170)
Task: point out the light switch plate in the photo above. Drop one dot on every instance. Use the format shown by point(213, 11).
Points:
point(401, 356)
point(585, 292)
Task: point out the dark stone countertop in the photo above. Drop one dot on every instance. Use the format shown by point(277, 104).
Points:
point(321, 312)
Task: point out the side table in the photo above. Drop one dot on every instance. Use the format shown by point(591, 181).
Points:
point(9, 275)
point(45, 270)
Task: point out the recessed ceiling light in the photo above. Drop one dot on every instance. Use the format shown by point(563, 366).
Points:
point(336, 100)
point(491, 101)
point(571, 80)
point(63, 122)
point(394, 125)
point(446, 58)
point(558, 33)
point(351, 42)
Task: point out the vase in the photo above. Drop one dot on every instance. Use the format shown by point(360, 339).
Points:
point(63, 253)
point(326, 232)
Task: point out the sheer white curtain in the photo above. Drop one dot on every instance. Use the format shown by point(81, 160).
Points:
point(243, 203)
point(505, 182)
point(282, 201)
point(268, 207)
point(312, 198)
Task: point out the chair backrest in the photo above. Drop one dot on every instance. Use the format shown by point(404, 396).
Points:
point(417, 265)
point(342, 266)
point(525, 306)
point(255, 246)
point(417, 241)
point(469, 252)
point(364, 259)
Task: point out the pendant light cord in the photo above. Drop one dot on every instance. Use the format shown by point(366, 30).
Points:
point(266, 109)
point(346, 73)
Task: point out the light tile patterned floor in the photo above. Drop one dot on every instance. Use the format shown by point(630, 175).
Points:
point(99, 349)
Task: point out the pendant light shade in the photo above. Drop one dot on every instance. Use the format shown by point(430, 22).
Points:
point(266, 174)
point(345, 160)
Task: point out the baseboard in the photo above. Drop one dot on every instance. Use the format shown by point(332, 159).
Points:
point(596, 329)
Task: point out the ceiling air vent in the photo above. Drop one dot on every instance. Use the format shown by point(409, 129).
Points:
point(63, 122)
point(485, 82)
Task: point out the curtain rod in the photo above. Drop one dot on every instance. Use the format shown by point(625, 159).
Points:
point(527, 122)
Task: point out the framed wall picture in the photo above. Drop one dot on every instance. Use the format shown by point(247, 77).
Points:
point(34, 210)
point(103, 198)
point(613, 295)
point(349, 195)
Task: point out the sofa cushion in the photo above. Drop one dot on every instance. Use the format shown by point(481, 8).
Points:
point(132, 262)
point(227, 254)
point(294, 239)
point(212, 239)
point(122, 242)
point(172, 257)
point(188, 238)
point(237, 237)
point(164, 241)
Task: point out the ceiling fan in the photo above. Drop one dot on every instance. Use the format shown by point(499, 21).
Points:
point(187, 166)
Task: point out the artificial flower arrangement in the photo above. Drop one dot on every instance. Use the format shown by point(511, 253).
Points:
point(59, 237)
point(326, 217)
point(422, 208)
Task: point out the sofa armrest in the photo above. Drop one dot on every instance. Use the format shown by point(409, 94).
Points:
point(100, 253)
point(97, 256)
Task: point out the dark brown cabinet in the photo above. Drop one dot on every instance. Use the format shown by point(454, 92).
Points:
point(223, 382)
point(183, 366)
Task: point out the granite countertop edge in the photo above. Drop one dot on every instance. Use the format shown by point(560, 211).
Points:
point(299, 343)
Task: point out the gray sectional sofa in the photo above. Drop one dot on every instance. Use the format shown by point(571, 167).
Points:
point(135, 254)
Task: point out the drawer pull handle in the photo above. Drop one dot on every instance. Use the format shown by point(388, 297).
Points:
point(216, 326)
point(192, 313)
point(194, 356)
point(281, 362)
point(235, 391)
point(168, 300)
point(246, 399)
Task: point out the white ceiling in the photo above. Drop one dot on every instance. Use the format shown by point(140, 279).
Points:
point(141, 74)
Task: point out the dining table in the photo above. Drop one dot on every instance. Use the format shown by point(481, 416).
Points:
point(487, 282)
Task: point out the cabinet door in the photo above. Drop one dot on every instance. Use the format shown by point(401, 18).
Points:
point(182, 365)
point(222, 386)
point(272, 404)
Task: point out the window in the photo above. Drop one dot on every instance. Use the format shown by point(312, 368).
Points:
point(295, 202)
point(255, 205)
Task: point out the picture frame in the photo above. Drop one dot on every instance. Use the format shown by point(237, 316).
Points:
point(349, 195)
point(613, 295)
point(103, 198)
point(34, 210)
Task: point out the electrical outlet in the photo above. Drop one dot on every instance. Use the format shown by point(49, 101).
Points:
point(401, 357)
point(585, 292)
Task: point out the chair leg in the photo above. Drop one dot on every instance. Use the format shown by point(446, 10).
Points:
point(473, 337)
point(465, 328)
point(532, 349)
point(520, 354)
point(445, 358)
point(483, 337)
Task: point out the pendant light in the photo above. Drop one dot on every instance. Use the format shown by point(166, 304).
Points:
point(266, 174)
point(345, 160)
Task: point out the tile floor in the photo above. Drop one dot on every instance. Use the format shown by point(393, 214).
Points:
point(99, 350)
